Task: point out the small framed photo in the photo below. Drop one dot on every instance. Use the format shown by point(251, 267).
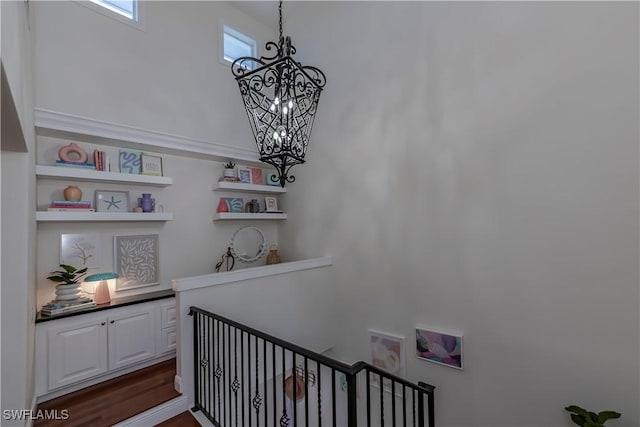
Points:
point(387, 353)
point(271, 204)
point(151, 165)
point(112, 201)
point(244, 174)
point(443, 348)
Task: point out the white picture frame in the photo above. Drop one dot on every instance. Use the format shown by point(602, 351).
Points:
point(387, 352)
point(441, 347)
point(244, 174)
point(137, 260)
point(150, 165)
point(112, 201)
point(80, 250)
point(271, 204)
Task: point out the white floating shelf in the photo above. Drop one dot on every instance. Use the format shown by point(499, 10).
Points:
point(221, 216)
point(247, 188)
point(102, 216)
point(79, 174)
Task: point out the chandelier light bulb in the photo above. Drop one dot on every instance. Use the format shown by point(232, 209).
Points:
point(290, 105)
point(273, 107)
point(276, 101)
point(285, 110)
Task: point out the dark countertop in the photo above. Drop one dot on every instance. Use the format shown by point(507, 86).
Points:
point(115, 302)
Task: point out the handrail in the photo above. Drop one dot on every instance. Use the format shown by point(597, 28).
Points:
point(228, 388)
point(353, 369)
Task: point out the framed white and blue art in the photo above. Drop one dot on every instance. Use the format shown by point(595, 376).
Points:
point(112, 201)
point(136, 261)
point(244, 174)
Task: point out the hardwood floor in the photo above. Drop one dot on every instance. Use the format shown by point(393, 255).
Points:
point(116, 400)
point(184, 419)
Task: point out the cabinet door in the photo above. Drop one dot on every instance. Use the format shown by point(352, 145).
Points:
point(168, 314)
point(132, 337)
point(168, 340)
point(76, 352)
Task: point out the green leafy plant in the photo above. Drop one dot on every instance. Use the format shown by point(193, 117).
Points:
point(584, 418)
point(69, 276)
point(229, 165)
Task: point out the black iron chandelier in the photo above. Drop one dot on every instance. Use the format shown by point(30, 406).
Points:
point(281, 99)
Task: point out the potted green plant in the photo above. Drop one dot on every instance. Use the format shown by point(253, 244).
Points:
point(584, 418)
point(69, 280)
point(229, 170)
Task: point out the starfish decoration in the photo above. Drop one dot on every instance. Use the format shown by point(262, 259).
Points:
point(113, 203)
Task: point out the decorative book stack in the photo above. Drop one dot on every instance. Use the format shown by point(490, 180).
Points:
point(75, 164)
point(56, 307)
point(70, 205)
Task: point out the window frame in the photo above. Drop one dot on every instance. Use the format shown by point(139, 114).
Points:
point(103, 10)
point(246, 37)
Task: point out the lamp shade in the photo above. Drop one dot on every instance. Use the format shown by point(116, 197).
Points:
point(102, 295)
point(101, 276)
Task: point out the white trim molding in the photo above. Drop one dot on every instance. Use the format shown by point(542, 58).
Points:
point(215, 279)
point(63, 125)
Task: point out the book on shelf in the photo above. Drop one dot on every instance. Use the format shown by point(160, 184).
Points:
point(76, 206)
point(55, 205)
point(70, 210)
point(101, 160)
point(71, 202)
point(60, 307)
point(75, 165)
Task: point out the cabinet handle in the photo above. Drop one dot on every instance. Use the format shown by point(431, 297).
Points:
point(113, 321)
point(103, 323)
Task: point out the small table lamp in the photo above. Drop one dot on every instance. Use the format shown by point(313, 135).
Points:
point(102, 295)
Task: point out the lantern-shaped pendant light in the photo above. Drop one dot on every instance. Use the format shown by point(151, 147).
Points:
point(281, 98)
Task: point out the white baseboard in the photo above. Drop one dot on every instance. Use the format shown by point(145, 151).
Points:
point(34, 408)
point(157, 414)
point(177, 383)
point(202, 419)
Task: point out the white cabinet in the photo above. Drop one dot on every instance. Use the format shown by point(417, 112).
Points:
point(84, 349)
point(131, 338)
point(77, 351)
point(168, 324)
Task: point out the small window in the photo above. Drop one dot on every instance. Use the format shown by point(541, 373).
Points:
point(236, 45)
point(128, 9)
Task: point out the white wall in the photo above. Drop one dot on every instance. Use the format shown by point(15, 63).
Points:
point(165, 77)
point(296, 306)
point(17, 291)
point(474, 167)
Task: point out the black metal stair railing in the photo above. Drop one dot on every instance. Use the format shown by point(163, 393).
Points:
point(245, 378)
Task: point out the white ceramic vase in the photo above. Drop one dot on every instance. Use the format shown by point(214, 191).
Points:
point(67, 292)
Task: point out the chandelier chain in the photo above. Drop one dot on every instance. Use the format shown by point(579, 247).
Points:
point(280, 22)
